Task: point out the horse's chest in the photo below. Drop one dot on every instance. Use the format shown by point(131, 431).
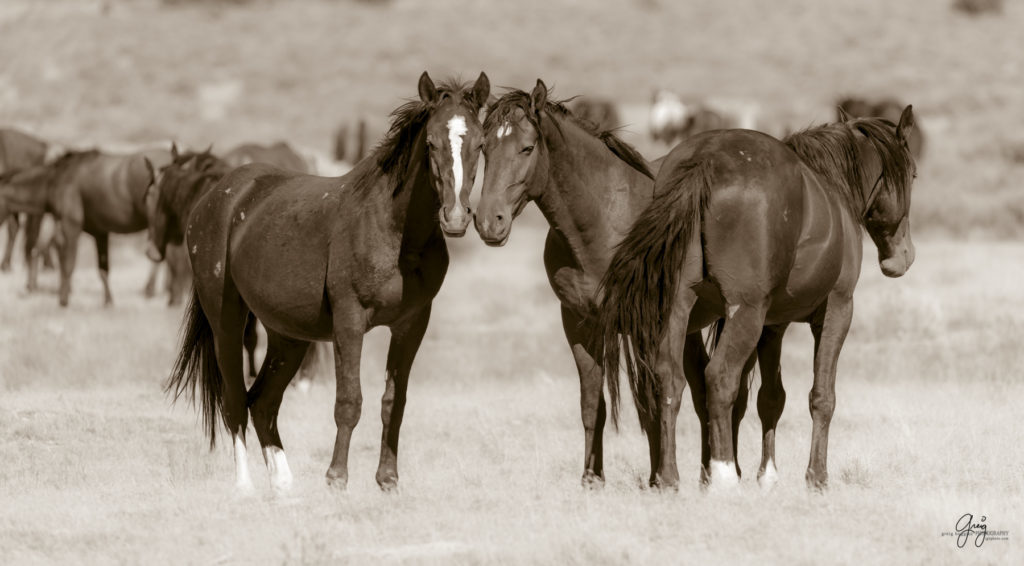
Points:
point(394, 283)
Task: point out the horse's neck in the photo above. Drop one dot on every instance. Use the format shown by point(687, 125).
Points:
point(188, 195)
point(591, 196)
point(413, 211)
point(25, 196)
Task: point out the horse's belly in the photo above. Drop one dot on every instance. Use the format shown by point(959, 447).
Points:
point(281, 279)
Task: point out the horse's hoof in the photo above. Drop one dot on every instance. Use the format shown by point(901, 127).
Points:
point(337, 482)
point(388, 484)
point(592, 480)
point(768, 477)
point(665, 484)
point(816, 482)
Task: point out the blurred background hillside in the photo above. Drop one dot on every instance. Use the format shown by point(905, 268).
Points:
point(136, 71)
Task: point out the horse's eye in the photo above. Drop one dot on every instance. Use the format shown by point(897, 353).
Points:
point(527, 150)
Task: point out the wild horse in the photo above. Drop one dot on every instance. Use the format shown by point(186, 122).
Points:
point(327, 259)
point(760, 233)
point(590, 186)
point(92, 192)
point(20, 151)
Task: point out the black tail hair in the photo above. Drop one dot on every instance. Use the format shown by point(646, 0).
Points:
point(197, 366)
point(640, 284)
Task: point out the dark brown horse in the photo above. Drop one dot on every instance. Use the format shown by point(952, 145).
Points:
point(760, 233)
point(19, 151)
point(590, 186)
point(323, 259)
point(99, 194)
point(279, 154)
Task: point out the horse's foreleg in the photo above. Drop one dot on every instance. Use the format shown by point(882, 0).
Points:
point(771, 398)
point(829, 329)
point(723, 375)
point(149, 291)
point(349, 327)
point(33, 224)
point(103, 258)
point(671, 375)
point(405, 342)
point(67, 237)
point(12, 235)
point(264, 398)
point(592, 404)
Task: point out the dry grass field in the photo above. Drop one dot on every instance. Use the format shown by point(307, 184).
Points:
point(97, 466)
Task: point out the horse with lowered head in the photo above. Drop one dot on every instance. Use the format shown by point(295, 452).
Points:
point(761, 233)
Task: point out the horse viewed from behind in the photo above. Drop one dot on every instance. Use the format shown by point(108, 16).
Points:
point(760, 233)
point(318, 259)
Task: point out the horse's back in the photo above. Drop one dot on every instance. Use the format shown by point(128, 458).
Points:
point(279, 154)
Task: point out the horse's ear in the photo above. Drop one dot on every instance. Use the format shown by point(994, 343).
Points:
point(539, 97)
point(428, 92)
point(482, 89)
point(843, 115)
point(174, 151)
point(906, 124)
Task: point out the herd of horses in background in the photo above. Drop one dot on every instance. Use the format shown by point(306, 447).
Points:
point(733, 232)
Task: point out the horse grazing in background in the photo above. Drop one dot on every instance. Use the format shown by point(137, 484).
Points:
point(19, 151)
point(672, 120)
point(279, 154)
point(320, 259)
point(888, 108)
point(760, 233)
point(590, 186)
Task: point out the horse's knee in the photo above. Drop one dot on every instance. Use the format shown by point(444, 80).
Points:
point(347, 411)
point(822, 406)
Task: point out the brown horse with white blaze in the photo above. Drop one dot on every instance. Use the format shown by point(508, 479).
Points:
point(761, 233)
point(328, 259)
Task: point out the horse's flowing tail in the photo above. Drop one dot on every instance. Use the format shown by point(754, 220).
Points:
point(640, 285)
point(197, 366)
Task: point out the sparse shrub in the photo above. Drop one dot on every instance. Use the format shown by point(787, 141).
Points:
point(978, 7)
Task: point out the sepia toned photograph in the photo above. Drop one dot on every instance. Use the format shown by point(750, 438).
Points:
point(527, 282)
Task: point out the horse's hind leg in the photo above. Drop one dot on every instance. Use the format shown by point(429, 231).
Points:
point(149, 291)
point(723, 376)
point(103, 258)
point(829, 329)
point(349, 327)
point(695, 362)
point(228, 325)
point(249, 340)
point(405, 342)
point(264, 399)
point(592, 404)
point(670, 369)
point(771, 398)
point(739, 409)
point(12, 235)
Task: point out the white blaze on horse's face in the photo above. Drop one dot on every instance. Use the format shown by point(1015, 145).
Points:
point(456, 129)
point(504, 130)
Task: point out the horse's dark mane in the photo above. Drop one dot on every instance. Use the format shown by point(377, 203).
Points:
point(395, 152)
point(190, 184)
point(831, 151)
point(503, 110)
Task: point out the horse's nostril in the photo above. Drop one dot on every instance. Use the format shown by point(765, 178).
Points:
point(499, 218)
